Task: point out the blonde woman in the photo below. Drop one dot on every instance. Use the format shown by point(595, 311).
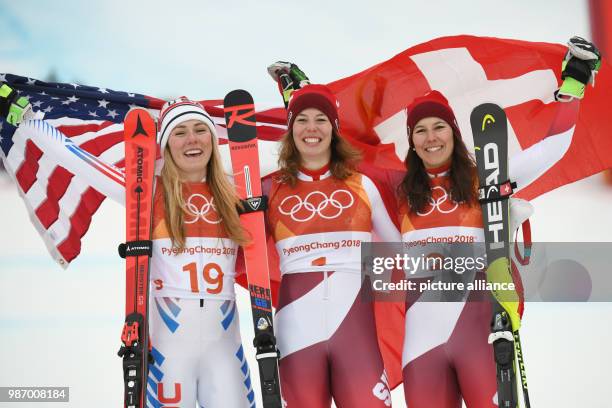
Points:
point(197, 350)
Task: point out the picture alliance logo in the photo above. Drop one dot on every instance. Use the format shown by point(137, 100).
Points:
point(316, 203)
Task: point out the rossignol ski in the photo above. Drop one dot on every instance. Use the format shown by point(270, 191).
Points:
point(140, 153)
point(490, 131)
point(242, 134)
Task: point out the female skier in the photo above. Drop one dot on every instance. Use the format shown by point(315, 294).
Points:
point(196, 232)
point(446, 355)
point(320, 212)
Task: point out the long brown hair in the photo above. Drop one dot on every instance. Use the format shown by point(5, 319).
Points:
point(224, 195)
point(415, 186)
point(342, 163)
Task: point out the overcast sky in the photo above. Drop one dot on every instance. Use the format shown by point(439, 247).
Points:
point(204, 48)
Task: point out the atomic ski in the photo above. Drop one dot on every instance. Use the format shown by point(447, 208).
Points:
point(490, 131)
point(140, 153)
point(242, 135)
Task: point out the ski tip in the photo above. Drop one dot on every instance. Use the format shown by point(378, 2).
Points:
point(239, 112)
point(487, 116)
point(139, 122)
point(237, 96)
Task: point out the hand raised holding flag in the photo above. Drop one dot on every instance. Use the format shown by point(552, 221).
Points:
point(582, 61)
point(289, 78)
point(13, 107)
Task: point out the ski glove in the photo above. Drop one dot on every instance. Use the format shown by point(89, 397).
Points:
point(13, 107)
point(298, 76)
point(579, 67)
point(289, 78)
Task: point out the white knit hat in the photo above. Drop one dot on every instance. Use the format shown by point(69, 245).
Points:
point(177, 111)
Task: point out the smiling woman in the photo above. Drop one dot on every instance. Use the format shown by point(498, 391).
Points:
point(321, 210)
point(446, 357)
point(436, 147)
point(190, 145)
point(312, 135)
point(196, 233)
point(433, 141)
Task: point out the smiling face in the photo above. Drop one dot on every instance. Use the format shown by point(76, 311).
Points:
point(312, 135)
point(433, 141)
point(190, 145)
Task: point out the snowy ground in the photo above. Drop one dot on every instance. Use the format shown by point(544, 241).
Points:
point(61, 327)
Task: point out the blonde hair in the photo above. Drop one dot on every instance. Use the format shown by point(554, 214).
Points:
point(343, 160)
point(223, 192)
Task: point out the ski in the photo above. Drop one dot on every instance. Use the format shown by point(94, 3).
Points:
point(490, 131)
point(140, 152)
point(242, 134)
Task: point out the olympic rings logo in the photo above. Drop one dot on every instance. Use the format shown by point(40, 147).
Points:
point(327, 208)
point(199, 206)
point(437, 203)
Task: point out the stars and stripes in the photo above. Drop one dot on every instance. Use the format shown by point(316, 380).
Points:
point(82, 135)
point(62, 205)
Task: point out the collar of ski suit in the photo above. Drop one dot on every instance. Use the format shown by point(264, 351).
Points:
point(438, 171)
point(314, 175)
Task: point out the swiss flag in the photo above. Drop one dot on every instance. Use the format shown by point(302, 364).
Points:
point(517, 75)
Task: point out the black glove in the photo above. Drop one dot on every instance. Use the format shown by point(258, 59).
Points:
point(579, 67)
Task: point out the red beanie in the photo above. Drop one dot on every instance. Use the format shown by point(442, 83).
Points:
point(432, 104)
point(313, 96)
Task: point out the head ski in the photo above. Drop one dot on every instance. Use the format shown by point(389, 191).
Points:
point(242, 135)
point(140, 153)
point(490, 131)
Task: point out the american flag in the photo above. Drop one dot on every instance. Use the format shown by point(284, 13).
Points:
point(61, 205)
point(90, 121)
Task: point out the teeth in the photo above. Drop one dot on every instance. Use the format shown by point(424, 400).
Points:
point(193, 151)
point(312, 140)
point(433, 149)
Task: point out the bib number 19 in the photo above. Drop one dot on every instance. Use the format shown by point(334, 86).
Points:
point(212, 274)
